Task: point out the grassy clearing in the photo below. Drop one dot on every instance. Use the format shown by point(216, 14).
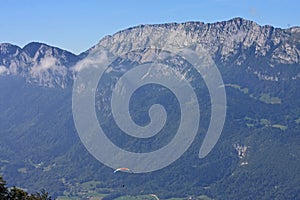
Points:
point(23, 170)
point(93, 196)
point(266, 98)
point(281, 127)
point(265, 122)
point(235, 86)
point(66, 198)
point(133, 198)
point(148, 197)
point(90, 185)
point(204, 197)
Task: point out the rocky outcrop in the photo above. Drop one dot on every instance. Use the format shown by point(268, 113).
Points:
point(233, 42)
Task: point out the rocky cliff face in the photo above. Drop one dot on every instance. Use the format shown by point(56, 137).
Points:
point(222, 39)
point(37, 63)
point(232, 42)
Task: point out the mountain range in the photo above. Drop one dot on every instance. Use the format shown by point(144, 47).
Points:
point(257, 156)
point(228, 42)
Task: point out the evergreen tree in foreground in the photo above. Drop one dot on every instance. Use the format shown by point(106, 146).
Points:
point(19, 194)
point(3, 189)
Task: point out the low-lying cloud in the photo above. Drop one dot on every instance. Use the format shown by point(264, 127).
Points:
point(3, 70)
point(47, 64)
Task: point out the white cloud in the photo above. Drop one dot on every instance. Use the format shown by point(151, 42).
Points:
point(3, 70)
point(45, 64)
point(96, 58)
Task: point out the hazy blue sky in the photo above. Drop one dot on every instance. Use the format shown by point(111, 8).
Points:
point(78, 25)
